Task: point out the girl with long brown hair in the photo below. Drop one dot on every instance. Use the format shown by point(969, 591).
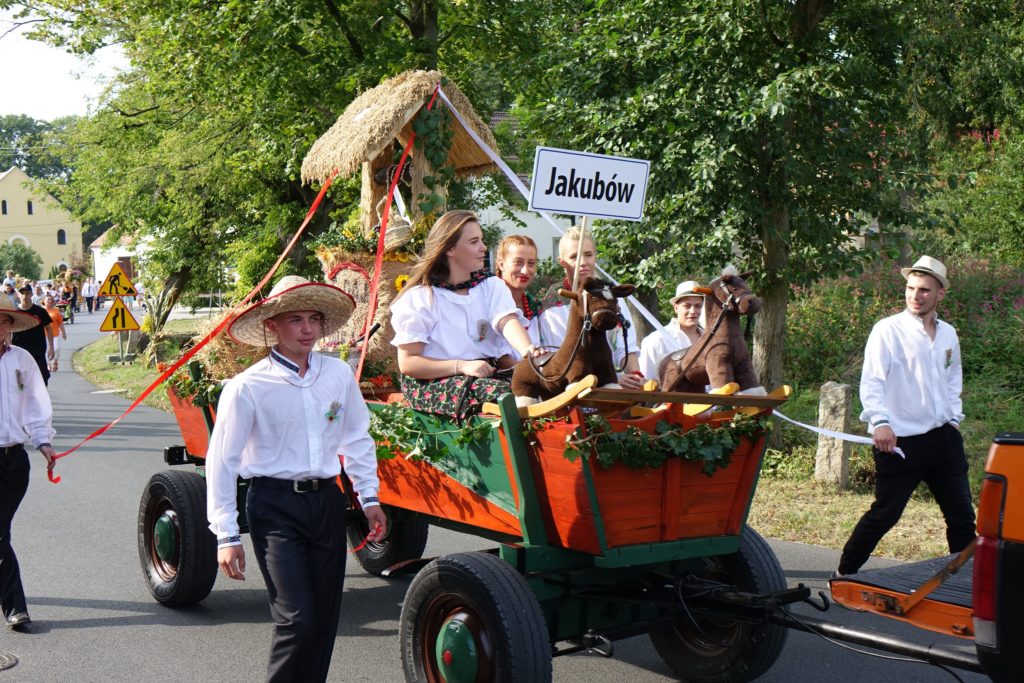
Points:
point(451, 322)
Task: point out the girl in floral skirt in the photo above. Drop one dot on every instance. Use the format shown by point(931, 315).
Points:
point(451, 320)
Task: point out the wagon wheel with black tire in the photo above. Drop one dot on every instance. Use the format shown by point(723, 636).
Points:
point(405, 540)
point(720, 649)
point(470, 617)
point(177, 550)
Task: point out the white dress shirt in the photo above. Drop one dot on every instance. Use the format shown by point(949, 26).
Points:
point(25, 410)
point(554, 321)
point(659, 344)
point(273, 423)
point(909, 381)
point(450, 325)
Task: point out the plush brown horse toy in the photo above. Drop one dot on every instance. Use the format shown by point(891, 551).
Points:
point(720, 356)
point(594, 311)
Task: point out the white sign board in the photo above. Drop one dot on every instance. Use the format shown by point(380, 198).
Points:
point(586, 184)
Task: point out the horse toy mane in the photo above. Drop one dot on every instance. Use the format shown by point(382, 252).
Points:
point(594, 311)
point(721, 355)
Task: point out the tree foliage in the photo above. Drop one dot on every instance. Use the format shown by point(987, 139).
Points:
point(24, 142)
point(22, 259)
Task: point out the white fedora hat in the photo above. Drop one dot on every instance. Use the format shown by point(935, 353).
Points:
point(20, 320)
point(688, 288)
point(930, 266)
point(292, 293)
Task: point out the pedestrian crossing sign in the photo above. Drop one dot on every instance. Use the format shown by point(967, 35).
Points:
point(117, 284)
point(119, 318)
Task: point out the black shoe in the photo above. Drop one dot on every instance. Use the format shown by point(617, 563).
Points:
point(18, 621)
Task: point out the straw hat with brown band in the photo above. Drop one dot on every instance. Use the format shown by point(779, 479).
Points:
point(22, 320)
point(292, 293)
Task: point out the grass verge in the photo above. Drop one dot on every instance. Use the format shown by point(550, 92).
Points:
point(131, 379)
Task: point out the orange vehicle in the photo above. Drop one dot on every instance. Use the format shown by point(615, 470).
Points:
point(977, 595)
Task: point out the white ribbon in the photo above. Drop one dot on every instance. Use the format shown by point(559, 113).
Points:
point(853, 438)
point(514, 179)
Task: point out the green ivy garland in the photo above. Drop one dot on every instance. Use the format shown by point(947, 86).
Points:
point(398, 431)
point(433, 140)
point(636, 449)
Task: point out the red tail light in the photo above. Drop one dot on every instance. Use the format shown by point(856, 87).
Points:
point(986, 568)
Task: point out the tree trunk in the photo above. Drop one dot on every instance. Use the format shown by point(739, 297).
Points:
point(770, 327)
point(423, 28)
point(173, 287)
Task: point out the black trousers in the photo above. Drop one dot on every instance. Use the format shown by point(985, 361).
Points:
point(14, 468)
point(89, 300)
point(299, 540)
point(935, 458)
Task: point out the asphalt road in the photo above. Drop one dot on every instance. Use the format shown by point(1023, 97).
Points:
point(95, 620)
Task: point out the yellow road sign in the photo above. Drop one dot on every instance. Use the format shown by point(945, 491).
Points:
point(119, 319)
point(117, 283)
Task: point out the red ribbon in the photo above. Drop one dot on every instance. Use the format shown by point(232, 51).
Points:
point(378, 262)
point(205, 340)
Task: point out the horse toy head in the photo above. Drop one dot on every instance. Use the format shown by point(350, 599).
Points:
point(730, 292)
point(594, 312)
point(720, 356)
point(596, 303)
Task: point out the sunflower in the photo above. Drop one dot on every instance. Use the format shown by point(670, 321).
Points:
point(400, 282)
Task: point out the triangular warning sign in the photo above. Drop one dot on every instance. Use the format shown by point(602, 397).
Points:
point(119, 318)
point(117, 283)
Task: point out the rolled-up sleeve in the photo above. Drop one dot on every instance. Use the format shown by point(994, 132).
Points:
point(357, 448)
point(955, 382)
point(877, 358)
point(235, 421)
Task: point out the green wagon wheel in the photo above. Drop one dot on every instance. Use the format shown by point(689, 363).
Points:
point(177, 551)
point(471, 618)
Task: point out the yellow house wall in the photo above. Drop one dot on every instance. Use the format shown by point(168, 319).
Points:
point(39, 230)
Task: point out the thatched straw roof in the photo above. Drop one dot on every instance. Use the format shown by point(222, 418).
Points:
point(378, 116)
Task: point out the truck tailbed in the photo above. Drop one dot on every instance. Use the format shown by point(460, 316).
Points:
point(947, 609)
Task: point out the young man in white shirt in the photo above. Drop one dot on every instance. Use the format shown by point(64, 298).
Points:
point(910, 389)
point(681, 332)
point(26, 415)
point(282, 424)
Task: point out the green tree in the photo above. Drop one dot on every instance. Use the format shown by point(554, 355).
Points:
point(197, 149)
point(24, 142)
point(776, 130)
point(22, 259)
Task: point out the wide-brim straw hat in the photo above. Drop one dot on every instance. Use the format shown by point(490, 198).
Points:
point(292, 293)
point(22, 320)
point(688, 288)
point(931, 266)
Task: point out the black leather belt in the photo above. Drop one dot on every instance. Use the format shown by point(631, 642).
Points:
point(296, 485)
point(7, 450)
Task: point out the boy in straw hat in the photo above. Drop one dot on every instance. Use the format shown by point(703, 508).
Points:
point(910, 389)
point(681, 332)
point(26, 414)
point(282, 423)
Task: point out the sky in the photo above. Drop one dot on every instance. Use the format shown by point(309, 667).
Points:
point(46, 82)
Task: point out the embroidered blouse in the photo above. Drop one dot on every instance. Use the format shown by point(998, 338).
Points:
point(451, 325)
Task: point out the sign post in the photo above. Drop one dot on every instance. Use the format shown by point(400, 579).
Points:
point(118, 319)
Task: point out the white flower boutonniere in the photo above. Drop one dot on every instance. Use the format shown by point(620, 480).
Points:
point(949, 358)
point(332, 411)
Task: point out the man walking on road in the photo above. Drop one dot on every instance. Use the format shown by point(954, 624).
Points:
point(37, 340)
point(26, 414)
point(282, 424)
point(89, 290)
point(910, 389)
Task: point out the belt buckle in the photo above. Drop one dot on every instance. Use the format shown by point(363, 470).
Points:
point(305, 485)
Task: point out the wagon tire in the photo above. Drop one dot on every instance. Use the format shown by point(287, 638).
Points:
point(177, 550)
point(471, 616)
point(720, 649)
point(405, 540)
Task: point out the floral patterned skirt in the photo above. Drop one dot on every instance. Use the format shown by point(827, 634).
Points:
point(459, 396)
